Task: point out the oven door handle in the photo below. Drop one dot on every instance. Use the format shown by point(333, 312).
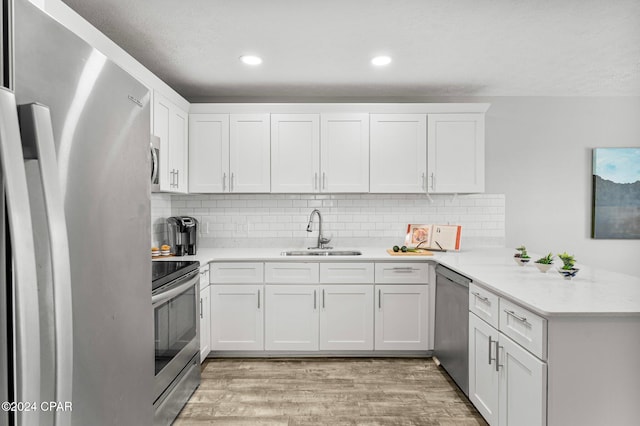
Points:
point(170, 294)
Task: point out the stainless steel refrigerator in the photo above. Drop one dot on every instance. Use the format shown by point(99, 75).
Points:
point(75, 298)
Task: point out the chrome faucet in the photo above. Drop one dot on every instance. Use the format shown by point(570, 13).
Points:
point(321, 240)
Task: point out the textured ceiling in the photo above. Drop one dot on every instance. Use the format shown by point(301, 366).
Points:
point(322, 48)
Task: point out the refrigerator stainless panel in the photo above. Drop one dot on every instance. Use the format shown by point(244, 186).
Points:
point(101, 122)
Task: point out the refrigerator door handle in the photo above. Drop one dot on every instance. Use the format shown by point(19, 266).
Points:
point(26, 309)
point(38, 143)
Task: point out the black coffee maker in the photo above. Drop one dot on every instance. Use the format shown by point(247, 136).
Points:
point(183, 235)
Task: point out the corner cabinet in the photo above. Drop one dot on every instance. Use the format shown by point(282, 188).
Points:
point(455, 153)
point(229, 153)
point(170, 124)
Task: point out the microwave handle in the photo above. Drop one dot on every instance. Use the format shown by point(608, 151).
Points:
point(154, 164)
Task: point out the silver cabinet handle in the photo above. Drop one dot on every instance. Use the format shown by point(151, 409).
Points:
point(177, 178)
point(484, 299)
point(201, 308)
point(498, 347)
point(490, 343)
point(315, 181)
point(323, 298)
point(258, 299)
point(37, 132)
point(433, 181)
point(224, 182)
point(516, 316)
point(26, 312)
point(324, 180)
point(406, 269)
point(379, 299)
point(424, 182)
point(314, 299)
point(231, 182)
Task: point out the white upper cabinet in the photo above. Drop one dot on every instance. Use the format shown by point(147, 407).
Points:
point(455, 153)
point(295, 153)
point(250, 153)
point(344, 153)
point(229, 153)
point(398, 149)
point(170, 125)
point(208, 152)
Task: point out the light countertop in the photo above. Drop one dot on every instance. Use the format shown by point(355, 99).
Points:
point(592, 292)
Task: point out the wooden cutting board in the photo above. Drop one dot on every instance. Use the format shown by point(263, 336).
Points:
point(410, 253)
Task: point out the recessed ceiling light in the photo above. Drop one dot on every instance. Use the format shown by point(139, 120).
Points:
point(251, 60)
point(380, 61)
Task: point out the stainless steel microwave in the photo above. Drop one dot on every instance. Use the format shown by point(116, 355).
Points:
point(155, 163)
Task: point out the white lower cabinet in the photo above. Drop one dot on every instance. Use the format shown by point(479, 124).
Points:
point(291, 320)
point(237, 317)
point(507, 384)
point(346, 317)
point(401, 320)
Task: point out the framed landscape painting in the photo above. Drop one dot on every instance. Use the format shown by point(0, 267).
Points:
point(616, 193)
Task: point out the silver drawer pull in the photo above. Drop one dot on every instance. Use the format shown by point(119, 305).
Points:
point(484, 299)
point(516, 316)
point(403, 269)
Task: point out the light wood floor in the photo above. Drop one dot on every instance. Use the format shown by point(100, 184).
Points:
point(327, 391)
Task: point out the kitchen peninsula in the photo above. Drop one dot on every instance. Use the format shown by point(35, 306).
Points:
point(568, 327)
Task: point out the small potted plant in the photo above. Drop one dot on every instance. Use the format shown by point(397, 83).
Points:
point(521, 258)
point(568, 269)
point(544, 263)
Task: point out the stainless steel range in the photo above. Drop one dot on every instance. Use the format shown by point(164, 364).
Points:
point(175, 298)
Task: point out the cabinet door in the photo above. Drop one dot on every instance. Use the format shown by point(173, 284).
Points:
point(205, 322)
point(456, 153)
point(401, 320)
point(346, 317)
point(523, 386)
point(295, 153)
point(291, 320)
point(483, 377)
point(237, 319)
point(161, 113)
point(208, 153)
point(398, 146)
point(178, 145)
point(250, 153)
point(344, 153)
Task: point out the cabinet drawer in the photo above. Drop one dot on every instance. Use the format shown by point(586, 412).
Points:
point(346, 273)
point(294, 273)
point(236, 272)
point(524, 327)
point(484, 304)
point(406, 273)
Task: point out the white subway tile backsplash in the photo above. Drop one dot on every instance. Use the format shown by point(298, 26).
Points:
point(280, 220)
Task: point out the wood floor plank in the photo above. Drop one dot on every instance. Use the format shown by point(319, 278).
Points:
point(327, 391)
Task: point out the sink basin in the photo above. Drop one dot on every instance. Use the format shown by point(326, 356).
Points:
point(321, 253)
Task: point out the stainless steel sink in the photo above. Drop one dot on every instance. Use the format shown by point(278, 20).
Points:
point(321, 253)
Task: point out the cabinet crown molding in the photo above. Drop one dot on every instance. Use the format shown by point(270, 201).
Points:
point(306, 108)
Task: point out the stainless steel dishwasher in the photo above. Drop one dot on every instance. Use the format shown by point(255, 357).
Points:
point(452, 325)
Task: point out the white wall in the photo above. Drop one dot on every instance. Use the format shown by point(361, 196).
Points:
point(538, 153)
